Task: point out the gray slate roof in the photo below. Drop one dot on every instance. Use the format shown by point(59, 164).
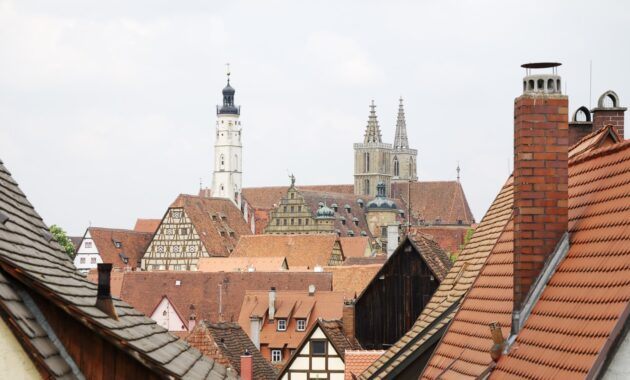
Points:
point(28, 255)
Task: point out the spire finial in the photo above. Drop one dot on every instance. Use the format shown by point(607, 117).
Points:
point(372, 132)
point(227, 65)
point(458, 170)
point(400, 139)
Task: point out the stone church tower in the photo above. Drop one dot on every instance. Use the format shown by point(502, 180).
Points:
point(372, 159)
point(378, 162)
point(228, 157)
point(403, 159)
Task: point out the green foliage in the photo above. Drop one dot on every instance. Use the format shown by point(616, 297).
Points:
point(452, 257)
point(467, 237)
point(60, 236)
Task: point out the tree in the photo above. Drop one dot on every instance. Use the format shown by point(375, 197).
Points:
point(60, 236)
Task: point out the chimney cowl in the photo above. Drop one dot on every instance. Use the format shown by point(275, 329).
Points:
point(542, 83)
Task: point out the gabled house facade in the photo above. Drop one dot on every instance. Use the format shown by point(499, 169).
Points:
point(166, 315)
point(121, 248)
point(396, 295)
point(321, 354)
point(194, 227)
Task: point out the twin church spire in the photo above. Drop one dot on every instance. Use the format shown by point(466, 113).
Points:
point(373, 130)
point(400, 140)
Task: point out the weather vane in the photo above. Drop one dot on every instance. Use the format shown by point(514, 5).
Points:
point(227, 65)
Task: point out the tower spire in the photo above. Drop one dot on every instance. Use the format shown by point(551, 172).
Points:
point(400, 141)
point(458, 170)
point(373, 131)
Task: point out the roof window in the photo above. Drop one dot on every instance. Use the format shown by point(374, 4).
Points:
point(124, 258)
point(117, 243)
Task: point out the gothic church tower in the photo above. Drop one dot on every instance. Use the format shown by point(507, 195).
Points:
point(228, 157)
point(403, 159)
point(372, 159)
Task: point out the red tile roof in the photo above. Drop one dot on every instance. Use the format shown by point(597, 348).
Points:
point(441, 308)
point(443, 200)
point(145, 289)
point(449, 238)
point(227, 217)
point(435, 257)
point(352, 279)
point(147, 225)
point(358, 361)
point(133, 244)
point(300, 250)
point(568, 330)
point(357, 246)
point(242, 264)
point(225, 342)
point(327, 305)
point(267, 197)
point(596, 139)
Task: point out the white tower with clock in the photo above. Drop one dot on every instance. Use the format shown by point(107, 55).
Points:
point(228, 158)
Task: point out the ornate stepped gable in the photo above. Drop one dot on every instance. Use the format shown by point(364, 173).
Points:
point(194, 227)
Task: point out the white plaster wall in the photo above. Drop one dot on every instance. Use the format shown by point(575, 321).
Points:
point(298, 376)
point(336, 364)
point(318, 363)
point(87, 254)
point(337, 376)
point(227, 143)
point(169, 320)
point(318, 334)
point(300, 363)
point(14, 362)
point(619, 367)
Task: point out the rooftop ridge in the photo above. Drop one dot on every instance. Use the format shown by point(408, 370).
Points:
point(599, 152)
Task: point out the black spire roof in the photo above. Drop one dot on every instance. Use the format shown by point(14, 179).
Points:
point(228, 100)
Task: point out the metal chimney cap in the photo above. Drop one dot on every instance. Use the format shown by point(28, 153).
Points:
point(540, 65)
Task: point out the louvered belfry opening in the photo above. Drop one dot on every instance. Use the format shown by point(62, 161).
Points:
point(540, 177)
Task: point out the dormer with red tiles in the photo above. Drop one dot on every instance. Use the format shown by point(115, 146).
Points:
point(540, 177)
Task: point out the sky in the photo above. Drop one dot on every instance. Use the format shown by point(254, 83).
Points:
point(107, 108)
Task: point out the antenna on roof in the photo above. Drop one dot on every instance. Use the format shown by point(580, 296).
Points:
point(590, 83)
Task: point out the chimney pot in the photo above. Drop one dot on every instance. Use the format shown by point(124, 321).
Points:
point(103, 294)
point(347, 318)
point(247, 366)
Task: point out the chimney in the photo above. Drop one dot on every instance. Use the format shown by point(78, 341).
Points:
point(247, 366)
point(254, 330)
point(104, 295)
point(272, 303)
point(347, 318)
point(540, 177)
point(499, 342)
point(393, 238)
point(192, 319)
point(581, 125)
point(311, 290)
point(609, 112)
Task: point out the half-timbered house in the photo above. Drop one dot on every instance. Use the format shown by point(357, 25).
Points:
point(194, 227)
point(321, 354)
point(398, 292)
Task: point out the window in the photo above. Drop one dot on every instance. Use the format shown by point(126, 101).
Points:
point(292, 221)
point(366, 187)
point(282, 325)
point(284, 222)
point(276, 356)
point(318, 347)
point(177, 214)
point(117, 244)
point(284, 209)
point(307, 221)
point(88, 244)
point(222, 162)
point(92, 260)
point(300, 222)
point(301, 325)
point(177, 249)
point(191, 249)
point(366, 162)
point(396, 167)
point(183, 231)
point(82, 260)
point(292, 195)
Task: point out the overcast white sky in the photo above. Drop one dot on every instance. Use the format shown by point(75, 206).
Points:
point(107, 108)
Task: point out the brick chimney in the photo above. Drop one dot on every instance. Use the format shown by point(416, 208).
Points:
point(272, 303)
point(581, 125)
point(609, 112)
point(247, 366)
point(540, 176)
point(104, 300)
point(347, 317)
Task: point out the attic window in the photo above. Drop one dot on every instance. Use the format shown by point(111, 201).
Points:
point(334, 206)
point(231, 233)
point(222, 233)
point(363, 233)
point(300, 325)
point(459, 221)
point(88, 244)
point(350, 233)
point(318, 347)
point(223, 217)
point(178, 282)
point(214, 217)
point(124, 258)
point(356, 221)
point(438, 220)
point(117, 243)
point(282, 325)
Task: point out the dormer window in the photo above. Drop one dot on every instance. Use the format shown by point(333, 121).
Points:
point(335, 207)
point(282, 325)
point(348, 209)
point(117, 244)
point(356, 221)
point(301, 325)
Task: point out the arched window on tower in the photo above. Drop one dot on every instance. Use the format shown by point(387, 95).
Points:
point(396, 167)
point(236, 162)
point(366, 162)
point(412, 168)
point(222, 160)
point(366, 187)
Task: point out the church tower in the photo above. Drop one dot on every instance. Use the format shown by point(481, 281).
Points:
point(228, 158)
point(404, 162)
point(372, 159)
